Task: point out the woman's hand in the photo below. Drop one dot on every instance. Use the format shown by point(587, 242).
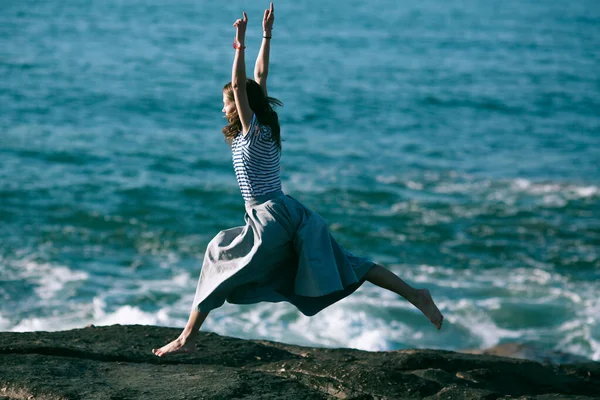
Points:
point(268, 19)
point(240, 24)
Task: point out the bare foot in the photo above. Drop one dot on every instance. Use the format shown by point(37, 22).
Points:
point(425, 303)
point(177, 346)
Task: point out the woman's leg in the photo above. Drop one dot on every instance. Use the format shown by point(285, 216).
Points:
point(420, 298)
point(186, 342)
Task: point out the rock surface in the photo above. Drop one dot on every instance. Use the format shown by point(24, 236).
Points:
point(116, 362)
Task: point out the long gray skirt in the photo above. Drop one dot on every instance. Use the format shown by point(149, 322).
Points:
point(284, 253)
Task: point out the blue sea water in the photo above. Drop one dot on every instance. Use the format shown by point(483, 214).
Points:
point(456, 142)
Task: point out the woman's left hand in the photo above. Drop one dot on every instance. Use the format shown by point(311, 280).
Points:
point(240, 24)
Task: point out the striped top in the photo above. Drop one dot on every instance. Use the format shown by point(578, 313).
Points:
point(256, 161)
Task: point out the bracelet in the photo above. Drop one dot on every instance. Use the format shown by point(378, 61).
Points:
point(238, 46)
point(267, 37)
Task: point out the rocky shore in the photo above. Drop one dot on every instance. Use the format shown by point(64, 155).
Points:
point(116, 362)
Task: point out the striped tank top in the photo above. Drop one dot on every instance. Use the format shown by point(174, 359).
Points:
point(256, 161)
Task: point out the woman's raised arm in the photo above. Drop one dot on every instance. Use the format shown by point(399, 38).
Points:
point(261, 68)
point(238, 75)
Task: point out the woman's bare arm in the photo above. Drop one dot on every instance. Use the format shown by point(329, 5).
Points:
point(261, 68)
point(238, 76)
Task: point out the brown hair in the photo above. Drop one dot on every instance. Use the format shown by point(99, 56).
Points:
point(261, 105)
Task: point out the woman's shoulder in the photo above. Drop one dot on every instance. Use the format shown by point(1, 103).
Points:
point(259, 130)
point(265, 131)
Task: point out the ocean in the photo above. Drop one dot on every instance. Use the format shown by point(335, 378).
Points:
point(454, 142)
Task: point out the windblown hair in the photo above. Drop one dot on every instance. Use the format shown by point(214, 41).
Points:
point(261, 105)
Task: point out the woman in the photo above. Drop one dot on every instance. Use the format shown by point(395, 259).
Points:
point(285, 251)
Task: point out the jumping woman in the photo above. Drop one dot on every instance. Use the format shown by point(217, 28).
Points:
point(285, 251)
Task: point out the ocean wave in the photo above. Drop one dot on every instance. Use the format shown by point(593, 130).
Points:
point(569, 191)
point(48, 279)
point(474, 304)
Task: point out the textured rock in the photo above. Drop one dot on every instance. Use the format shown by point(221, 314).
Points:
point(116, 362)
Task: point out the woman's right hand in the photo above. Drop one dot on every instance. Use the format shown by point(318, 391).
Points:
point(240, 24)
point(268, 19)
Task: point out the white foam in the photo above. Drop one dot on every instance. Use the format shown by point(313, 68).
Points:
point(566, 190)
point(554, 200)
point(414, 185)
point(586, 191)
point(94, 313)
point(595, 345)
point(493, 303)
point(449, 187)
point(577, 339)
point(40, 324)
point(558, 292)
point(387, 179)
point(360, 321)
point(371, 340)
point(474, 319)
point(77, 317)
point(128, 315)
point(392, 179)
point(343, 326)
point(5, 323)
point(521, 184)
point(49, 278)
